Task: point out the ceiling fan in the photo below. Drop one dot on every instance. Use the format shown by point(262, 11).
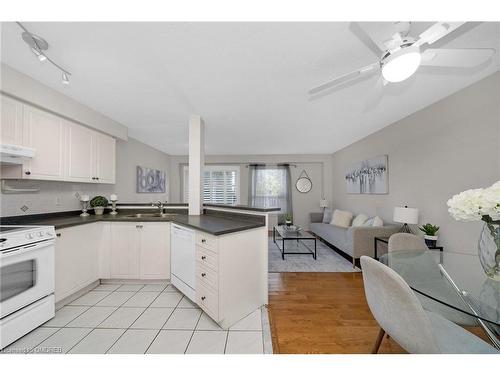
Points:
point(401, 54)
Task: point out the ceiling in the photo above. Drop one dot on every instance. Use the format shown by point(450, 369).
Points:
point(249, 81)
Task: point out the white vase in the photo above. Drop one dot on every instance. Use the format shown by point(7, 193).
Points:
point(430, 240)
point(98, 210)
point(489, 250)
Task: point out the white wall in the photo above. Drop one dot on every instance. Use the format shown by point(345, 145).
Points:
point(318, 167)
point(33, 92)
point(448, 147)
point(60, 196)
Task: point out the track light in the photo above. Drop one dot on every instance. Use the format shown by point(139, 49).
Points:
point(65, 78)
point(39, 54)
point(38, 46)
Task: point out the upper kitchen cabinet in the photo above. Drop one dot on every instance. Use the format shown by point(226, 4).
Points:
point(64, 150)
point(11, 126)
point(80, 153)
point(105, 158)
point(44, 132)
point(90, 155)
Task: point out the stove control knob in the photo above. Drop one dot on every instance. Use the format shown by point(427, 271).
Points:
point(40, 234)
point(48, 234)
point(30, 236)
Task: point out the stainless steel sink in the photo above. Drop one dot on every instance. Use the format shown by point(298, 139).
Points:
point(151, 215)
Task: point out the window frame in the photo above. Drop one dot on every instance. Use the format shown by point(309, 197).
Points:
point(212, 168)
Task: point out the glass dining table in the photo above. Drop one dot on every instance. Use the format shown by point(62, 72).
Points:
point(453, 284)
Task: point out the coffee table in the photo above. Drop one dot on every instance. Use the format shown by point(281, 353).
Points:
point(300, 236)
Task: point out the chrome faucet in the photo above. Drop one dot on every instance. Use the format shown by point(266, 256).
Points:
point(160, 205)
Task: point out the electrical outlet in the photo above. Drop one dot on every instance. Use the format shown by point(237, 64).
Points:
point(58, 201)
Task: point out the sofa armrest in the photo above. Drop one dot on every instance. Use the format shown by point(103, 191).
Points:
point(316, 217)
point(361, 239)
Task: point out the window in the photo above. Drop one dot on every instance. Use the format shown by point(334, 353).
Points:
point(220, 184)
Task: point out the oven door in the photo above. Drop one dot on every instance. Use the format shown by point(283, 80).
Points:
point(26, 275)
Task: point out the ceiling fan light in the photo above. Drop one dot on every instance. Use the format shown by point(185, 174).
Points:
point(402, 66)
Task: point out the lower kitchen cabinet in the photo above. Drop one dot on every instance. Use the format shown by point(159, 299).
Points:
point(76, 258)
point(139, 250)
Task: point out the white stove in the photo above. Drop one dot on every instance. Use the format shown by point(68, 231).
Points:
point(26, 279)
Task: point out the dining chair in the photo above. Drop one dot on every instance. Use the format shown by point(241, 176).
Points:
point(401, 315)
point(406, 241)
point(415, 244)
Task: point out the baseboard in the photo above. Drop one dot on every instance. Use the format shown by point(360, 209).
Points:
point(76, 295)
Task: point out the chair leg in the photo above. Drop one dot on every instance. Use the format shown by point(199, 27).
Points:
point(380, 337)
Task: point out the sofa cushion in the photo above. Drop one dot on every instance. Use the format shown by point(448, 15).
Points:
point(341, 218)
point(327, 215)
point(337, 236)
point(378, 222)
point(359, 220)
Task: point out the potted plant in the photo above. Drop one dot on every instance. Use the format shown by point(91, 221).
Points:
point(99, 203)
point(288, 219)
point(430, 236)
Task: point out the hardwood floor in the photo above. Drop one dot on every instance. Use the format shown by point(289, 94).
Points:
point(323, 313)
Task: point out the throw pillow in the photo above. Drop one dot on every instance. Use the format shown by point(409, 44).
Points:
point(327, 215)
point(377, 222)
point(369, 222)
point(341, 218)
point(359, 220)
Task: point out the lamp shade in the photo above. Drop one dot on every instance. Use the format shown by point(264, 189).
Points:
point(405, 215)
point(323, 203)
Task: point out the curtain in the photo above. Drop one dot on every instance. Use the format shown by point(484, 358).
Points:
point(271, 187)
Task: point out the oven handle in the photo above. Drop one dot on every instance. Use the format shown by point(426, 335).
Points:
point(27, 248)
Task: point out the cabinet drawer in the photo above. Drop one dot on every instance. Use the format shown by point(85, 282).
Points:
point(206, 240)
point(207, 275)
point(207, 258)
point(207, 299)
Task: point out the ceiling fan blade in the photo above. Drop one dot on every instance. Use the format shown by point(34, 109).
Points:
point(345, 78)
point(375, 96)
point(380, 33)
point(461, 58)
point(357, 30)
point(437, 31)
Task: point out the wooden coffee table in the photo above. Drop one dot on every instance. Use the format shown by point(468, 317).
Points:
point(300, 236)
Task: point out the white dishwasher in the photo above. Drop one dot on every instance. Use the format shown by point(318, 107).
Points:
point(183, 260)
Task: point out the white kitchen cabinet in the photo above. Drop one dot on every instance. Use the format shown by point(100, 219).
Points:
point(231, 274)
point(64, 150)
point(76, 258)
point(154, 251)
point(124, 259)
point(139, 251)
point(45, 133)
point(80, 153)
point(105, 158)
point(11, 125)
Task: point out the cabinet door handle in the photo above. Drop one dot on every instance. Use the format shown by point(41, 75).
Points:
point(27, 173)
point(138, 226)
point(203, 257)
point(203, 298)
point(203, 240)
point(58, 234)
point(203, 274)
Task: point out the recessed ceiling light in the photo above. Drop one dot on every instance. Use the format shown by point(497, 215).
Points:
point(402, 64)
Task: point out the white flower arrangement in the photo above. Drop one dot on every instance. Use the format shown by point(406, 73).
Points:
point(476, 204)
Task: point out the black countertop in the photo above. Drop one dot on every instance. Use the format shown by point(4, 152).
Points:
point(243, 207)
point(209, 223)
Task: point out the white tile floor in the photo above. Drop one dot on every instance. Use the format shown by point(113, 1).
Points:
point(140, 318)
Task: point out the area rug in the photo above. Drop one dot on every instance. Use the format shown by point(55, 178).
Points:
point(327, 259)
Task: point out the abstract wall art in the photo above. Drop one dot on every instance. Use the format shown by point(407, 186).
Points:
point(150, 180)
point(369, 176)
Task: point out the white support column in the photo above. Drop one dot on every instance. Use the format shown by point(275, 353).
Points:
point(196, 164)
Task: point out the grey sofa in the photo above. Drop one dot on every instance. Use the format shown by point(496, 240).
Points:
point(353, 241)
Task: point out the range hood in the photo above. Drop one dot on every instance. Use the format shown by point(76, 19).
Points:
point(12, 154)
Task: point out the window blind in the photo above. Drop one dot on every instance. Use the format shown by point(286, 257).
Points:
point(220, 184)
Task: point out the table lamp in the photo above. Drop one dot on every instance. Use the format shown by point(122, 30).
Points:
point(323, 203)
point(405, 215)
